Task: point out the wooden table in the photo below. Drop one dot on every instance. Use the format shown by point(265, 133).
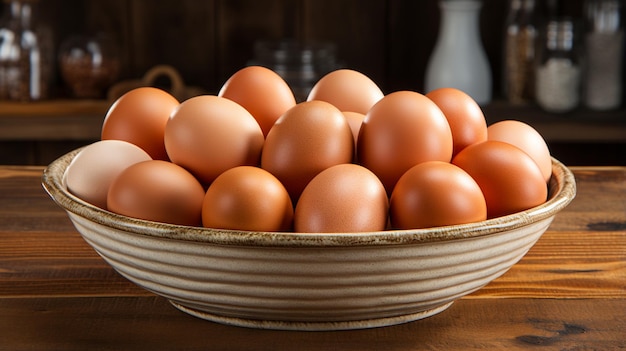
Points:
point(567, 293)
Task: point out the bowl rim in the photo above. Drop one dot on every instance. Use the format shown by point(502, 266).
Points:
point(561, 190)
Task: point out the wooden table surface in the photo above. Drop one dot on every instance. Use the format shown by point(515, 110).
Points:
point(567, 293)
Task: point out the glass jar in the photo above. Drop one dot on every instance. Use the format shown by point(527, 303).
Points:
point(558, 72)
point(89, 64)
point(25, 53)
point(604, 50)
point(519, 52)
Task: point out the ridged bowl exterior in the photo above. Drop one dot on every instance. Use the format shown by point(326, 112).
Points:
point(310, 281)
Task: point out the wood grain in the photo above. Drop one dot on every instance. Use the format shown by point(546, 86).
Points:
point(566, 265)
point(181, 35)
point(351, 26)
point(151, 323)
point(52, 120)
point(240, 23)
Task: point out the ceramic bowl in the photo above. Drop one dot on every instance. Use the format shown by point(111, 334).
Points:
point(305, 281)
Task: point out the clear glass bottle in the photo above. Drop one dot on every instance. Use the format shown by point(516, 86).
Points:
point(459, 59)
point(558, 72)
point(604, 50)
point(520, 52)
point(25, 53)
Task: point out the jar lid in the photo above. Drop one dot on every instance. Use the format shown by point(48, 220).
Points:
point(560, 34)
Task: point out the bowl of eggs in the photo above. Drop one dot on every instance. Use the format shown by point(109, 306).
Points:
point(306, 219)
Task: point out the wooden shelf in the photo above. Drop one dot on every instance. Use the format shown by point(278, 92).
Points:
point(578, 126)
point(52, 120)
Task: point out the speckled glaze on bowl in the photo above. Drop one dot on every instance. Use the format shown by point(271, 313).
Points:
point(306, 281)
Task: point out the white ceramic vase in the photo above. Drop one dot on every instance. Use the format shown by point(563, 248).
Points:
point(459, 59)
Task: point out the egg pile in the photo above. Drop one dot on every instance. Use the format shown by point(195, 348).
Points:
point(349, 159)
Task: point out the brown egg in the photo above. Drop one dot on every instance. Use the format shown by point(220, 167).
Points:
point(433, 194)
point(247, 198)
point(158, 191)
point(94, 168)
point(139, 117)
point(209, 134)
point(464, 115)
point(526, 138)
point(355, 120)
point(262, 92)
point(509, 179)
point(307, 139)
point(348, 90)
point(344, 198)
point(403, 129)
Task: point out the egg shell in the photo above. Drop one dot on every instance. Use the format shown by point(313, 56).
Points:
point(433, 194)
point(355, 119)
point(208, 135)
point(139, 117)
point(158, 191)
point(94, 168)
point(465, 117)
point(307, 139)
point(262, 92)
point(247, 198)
point(403, 129)
point(508, 177)
point(345, 198)
point(526, 138)
point(347, 89)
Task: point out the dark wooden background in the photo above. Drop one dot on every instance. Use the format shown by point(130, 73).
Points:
point(208, 40)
